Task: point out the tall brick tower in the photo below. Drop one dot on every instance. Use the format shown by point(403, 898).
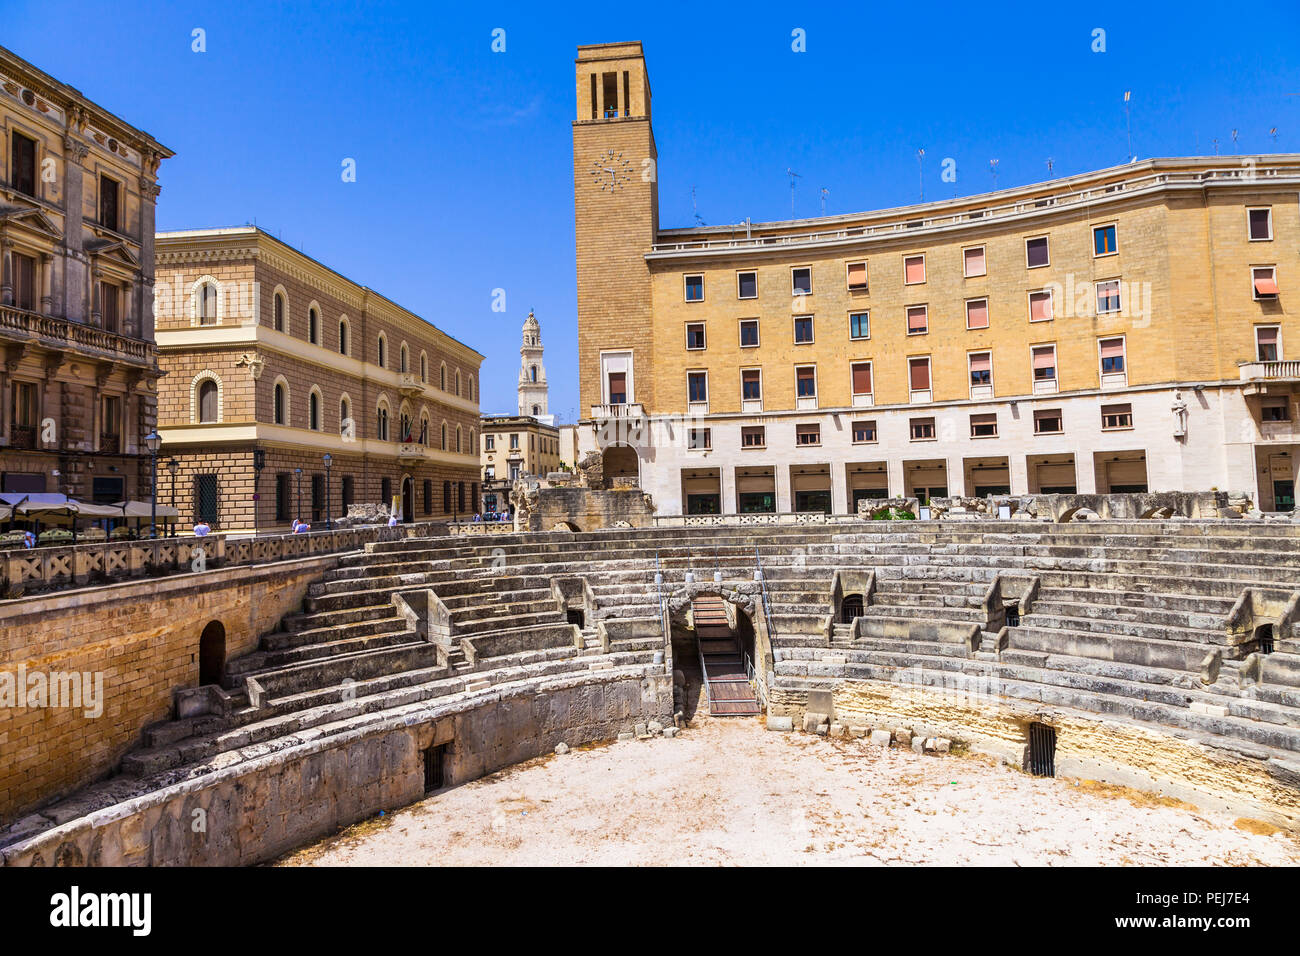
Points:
point(616, 213)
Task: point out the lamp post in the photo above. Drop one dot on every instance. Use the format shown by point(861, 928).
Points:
point(298, 472)
point(152, 441)
point(329, 517)
point(259, 462)
point(173, 466)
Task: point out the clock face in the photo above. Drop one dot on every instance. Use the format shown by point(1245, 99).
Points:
point(611, 170)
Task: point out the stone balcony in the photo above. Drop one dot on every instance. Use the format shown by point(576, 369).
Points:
point(1270, 378)
point(411, 451)
point(56, 333)
point(409, 384)
point(622, 410)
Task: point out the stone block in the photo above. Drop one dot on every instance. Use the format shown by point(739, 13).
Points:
point(561, 748)
point(880, 738)
point(780, 723)
point(857, 733)
point(903, 736)
point(837, 730)
point(670, 732)
point(814, 721)
point(918, 745)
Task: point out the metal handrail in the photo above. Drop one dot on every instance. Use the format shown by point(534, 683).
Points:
point(704, 671)
point(762, 587)
point(752, 675)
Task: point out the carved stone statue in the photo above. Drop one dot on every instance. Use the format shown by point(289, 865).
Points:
point(1179, 408)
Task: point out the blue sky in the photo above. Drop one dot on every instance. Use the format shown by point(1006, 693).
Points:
point(464, 155)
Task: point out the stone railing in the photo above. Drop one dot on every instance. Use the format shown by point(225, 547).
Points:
point(480, 527)
point(765, 518)
point(106, 562)
point(73, 334)
point(1286, 369)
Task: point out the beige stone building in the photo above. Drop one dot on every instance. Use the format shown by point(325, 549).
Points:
point(515, 446)
point(268, 351)
point(1120, 330)
point(78, 387)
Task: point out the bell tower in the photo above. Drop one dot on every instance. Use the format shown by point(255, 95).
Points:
point(616, 217)
point(532, 374)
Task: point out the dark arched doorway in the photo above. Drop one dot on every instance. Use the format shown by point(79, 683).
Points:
point(212, 653)
point(408, 500)
point(620, 461)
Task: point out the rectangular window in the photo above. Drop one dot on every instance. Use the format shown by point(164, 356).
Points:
point(1261, 224)
point(919, 374)
point(283, 496)
point(918, 319)
point(618, 388)
point(749, 333)
point(24, 278)
point(801, 281)
point(1041, 306)
point(1263, 280)
point(489, 442)
point(861, 378)
point(1044, 363)
point(806, 379)
point(857, 276)
point(864, 432)
point(109, 297)
point(697, 384)
point(977, 313)
point(981, 368)
point(803, 329)
point(205, 498)
point(695, 288)
point(913, 269)
point(984, 426)
point(1116, 416)
point(1048, 421)
point(701, 439)
point(1108, 296)
point(1036, 252)
point(808, 434)
point(751, 385)
point(922, 429)
point(747, 285)
point(1275, 410)
point(428, 496)
point(753, 436)
point(859, 325)
point(695, 336)
point(317, 498)
point(972, 261)
point(1268, 343)
point(1103, 241)
point(22, 168)
point(514, 442)
point(347, 495)
point(108, 204)
point(1112, 355)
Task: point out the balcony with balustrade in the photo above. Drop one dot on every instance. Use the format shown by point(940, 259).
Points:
point(1276, 377)
point(51, 332)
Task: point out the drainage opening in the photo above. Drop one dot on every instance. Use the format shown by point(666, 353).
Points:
point(1042, 750)
point(1013, 614)
point(1264, 639)
point(576, 615)
point(435, 767)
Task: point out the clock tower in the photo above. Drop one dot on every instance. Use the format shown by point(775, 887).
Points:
point(532, 374)
point(616, 216)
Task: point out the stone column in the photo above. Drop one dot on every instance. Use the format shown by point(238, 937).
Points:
point(956, 469)
point(96, 309)
point(839, 489)
point(47, 283)
point(784, 500)
point(7, 273)
point(74, 263)
point(144, 291)
point(1018, 474)
point(727, 489)
point(1085, 470)
point(896, 478)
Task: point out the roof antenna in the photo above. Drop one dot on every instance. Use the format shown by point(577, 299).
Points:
point(920, 176)
point(793, 176)
point(1128, 124)
point(825, 191)
point(993, 168)
point(1050, 163)
point(1234, 141)
point(695, 210)
point(1273, 133)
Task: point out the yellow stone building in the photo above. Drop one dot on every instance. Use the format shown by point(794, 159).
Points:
point(272, 357)
point(1119, 330)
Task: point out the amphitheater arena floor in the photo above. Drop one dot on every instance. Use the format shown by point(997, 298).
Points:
point(729, 792)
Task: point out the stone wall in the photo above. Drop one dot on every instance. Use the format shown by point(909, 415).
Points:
point(585, 509)
point(142, 639)
point(259, 810)
point(1087, 746)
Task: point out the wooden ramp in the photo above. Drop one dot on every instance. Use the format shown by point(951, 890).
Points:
point(729, 690)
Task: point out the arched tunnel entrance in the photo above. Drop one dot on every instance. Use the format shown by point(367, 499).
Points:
point(714, 651)
point(212, 653)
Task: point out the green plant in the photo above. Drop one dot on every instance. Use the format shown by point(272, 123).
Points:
point(892, 513)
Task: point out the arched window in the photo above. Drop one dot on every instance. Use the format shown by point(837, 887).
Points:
point(383, 348)
point(280, 313)
point(443, 438)
point(381, 425)
point(402, 356)
point(458, 382)
point(537, 409)
point(280, 404)
point(404, 429)
point(442, 376)
point(345, 417)
point(313, 410)
point(313, 326)
point(458, 439)
point(209, 407)
point(532, 373)
point(424, 369)
point(343, 336)
point(424, 429)
point(206, 303)
point(473, 390)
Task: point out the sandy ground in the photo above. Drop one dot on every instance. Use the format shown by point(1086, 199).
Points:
point(729, 792)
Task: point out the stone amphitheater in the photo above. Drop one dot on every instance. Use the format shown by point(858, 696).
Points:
point(1159, 654)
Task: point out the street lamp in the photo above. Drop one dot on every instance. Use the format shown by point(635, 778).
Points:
point(152, 441)
point(259, 462)
point(173, 466)
point(298, 472)
point(329, 517)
